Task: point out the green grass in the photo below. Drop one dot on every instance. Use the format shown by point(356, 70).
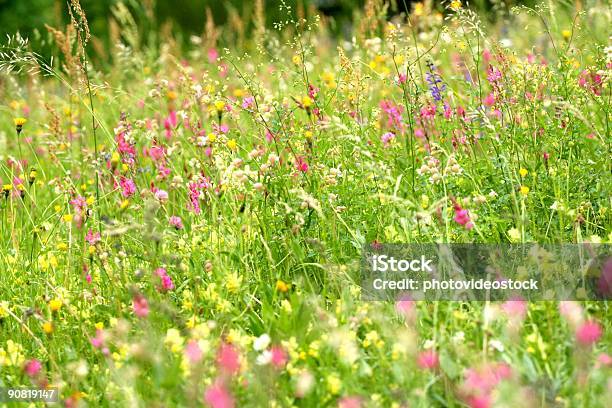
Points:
point(288, 195)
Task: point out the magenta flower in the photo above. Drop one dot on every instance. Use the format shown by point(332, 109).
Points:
point(604, 359)
point(301, 164)
point(170, 123)
point(98, 341)
point(140, 306)
point(228, 359)
point(279, 357)
point(193, 352)
point(128, 188)
point(176, 222)
point(393, 114)
point(386, 138)
point(479, 401)
point(92, 238)
point(515, 309)
point(480, 382)
point(32, 367)
point(218, 396)
point(589, 333)
point(349, 402)
point(166, 281)
point(462, 217)
point(428, 360)
point(406, 307)
point(161, 195)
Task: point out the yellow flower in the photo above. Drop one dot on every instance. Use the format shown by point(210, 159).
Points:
point(524, 190)
point(211, 137)
point(62, 246)
point(124, 204)
point(47, 327)
point(233, 282)
point(455, 5)
point(67, 218)
point(523, 172)
point(219, 106)
point(4, 307)
point(567, 34)
point(231, 144)
point(99, 325)
point(308, 134)
point(174, 340)
point(281, 286)
point(55, 304)
point(418, 9)
point(333, 384)
point(19, 122)
point(296, 59)
point(514, 235)
point(306, 101)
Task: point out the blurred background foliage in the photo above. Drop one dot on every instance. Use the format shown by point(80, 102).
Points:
point(154, 19)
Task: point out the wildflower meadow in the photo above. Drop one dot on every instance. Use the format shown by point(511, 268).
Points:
point(182, 219)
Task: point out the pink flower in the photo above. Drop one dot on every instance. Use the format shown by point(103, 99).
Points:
point(406, 306)
point(166, 281)
point(301, 164)
point(156, 152)
point(228, 359)
point(127, 186)
point(92, 237)
point(98, 341)
point(428, 360)
point(481, 381)
point(140, 306)
point(571, 311)
point(170, 123)
point(279, 357)
point(589, 333)
point(479, 401)
point(604, 359)
point(32, 367)
point(248, 102)
point(213, 54)
point(349, 402)
point(489, 100)
point(176, 222)
point(393, 113)
point(193, 352)
point(386, 138)
point(161, 195)
point(462, 217)
point(493, 74)
point(604, 284)
point(217, 396)
point(515, 309)
point(195, 190)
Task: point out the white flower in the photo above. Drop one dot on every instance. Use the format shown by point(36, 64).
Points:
point(262, 342)
point(497, 345)
point(264, 358)
point(459, 337)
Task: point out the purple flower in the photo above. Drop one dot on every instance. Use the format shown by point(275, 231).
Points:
point(436, 86)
